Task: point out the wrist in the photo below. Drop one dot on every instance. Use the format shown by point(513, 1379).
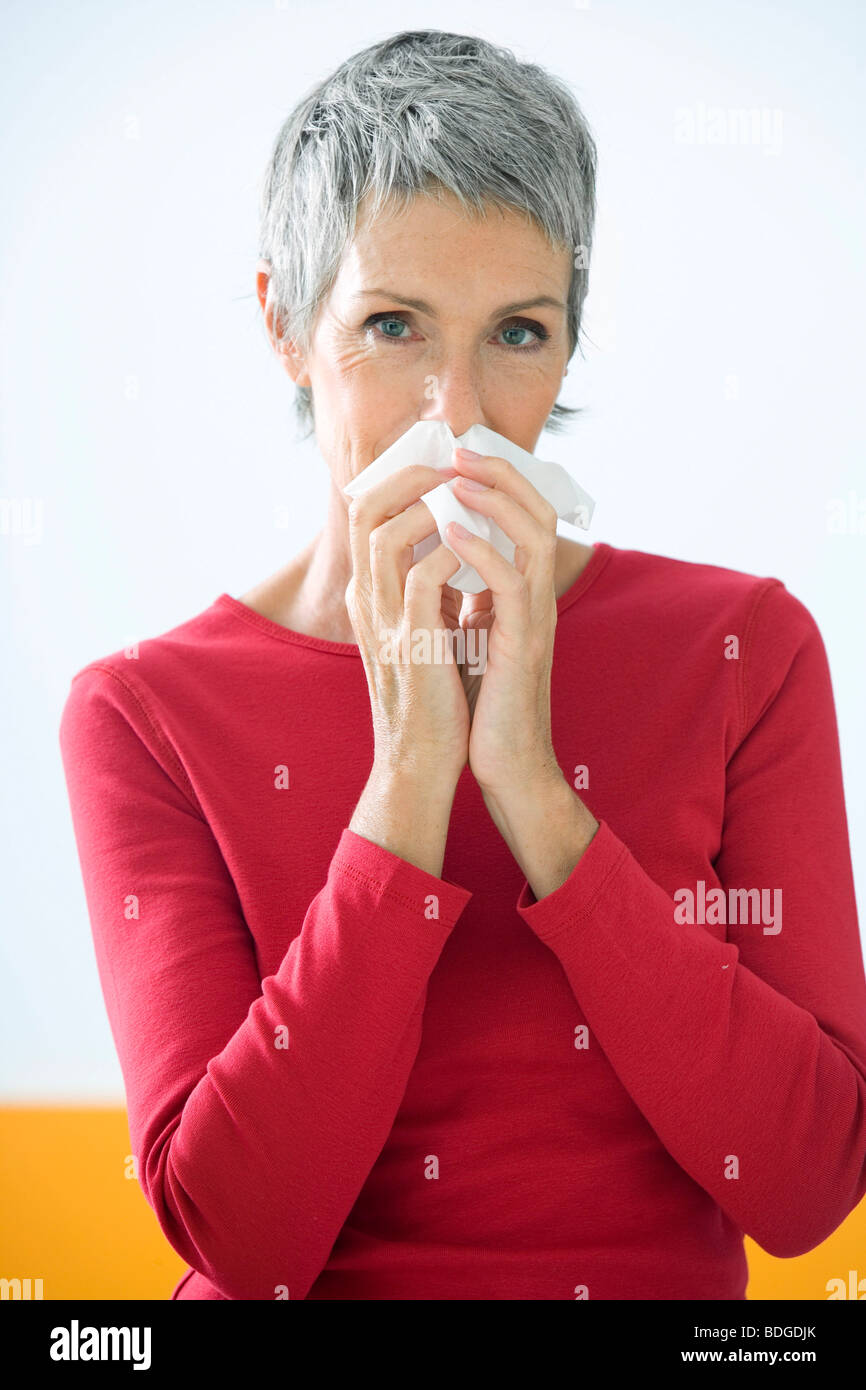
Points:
point(546, 827)
point(412, 776)
point(406, 812)
point(534, 786)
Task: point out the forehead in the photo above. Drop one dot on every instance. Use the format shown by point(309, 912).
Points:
point(436, 238)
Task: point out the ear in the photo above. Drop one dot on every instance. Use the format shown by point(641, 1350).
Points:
point(290, 356)
point(263, 277)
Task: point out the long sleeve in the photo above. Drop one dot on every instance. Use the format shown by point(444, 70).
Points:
point(257, 1107)
point(747, 1056)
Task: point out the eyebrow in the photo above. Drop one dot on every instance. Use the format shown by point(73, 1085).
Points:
point(501, 312)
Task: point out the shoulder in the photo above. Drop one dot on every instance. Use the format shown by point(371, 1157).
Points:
point(154, 665)
point(686, 591)
point(136, 691)
point(699, 619)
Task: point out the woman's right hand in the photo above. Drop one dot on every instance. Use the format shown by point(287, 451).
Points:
point(420, 713)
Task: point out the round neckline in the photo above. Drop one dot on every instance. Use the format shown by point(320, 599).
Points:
point(601, 553)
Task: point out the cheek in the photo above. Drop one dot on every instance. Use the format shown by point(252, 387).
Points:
point(522, 392)
point(536, 370)
point(353, 358)
point(369, 378)
point(358, 415)
point(351, 366)
point(346, 444)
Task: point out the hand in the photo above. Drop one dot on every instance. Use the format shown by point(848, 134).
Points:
point(510, 746)
point(468, 611)
point(419, 709)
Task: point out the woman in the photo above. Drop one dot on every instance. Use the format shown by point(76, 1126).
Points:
point(545, 985)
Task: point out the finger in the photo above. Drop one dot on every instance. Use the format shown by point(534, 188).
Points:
point(391, 554)
point(535, 543)
point(501, 474)
point(424, 584)
point(481, 618)
point(451, 604)
point(510, 589)
point(476, 608)
point(383, 501)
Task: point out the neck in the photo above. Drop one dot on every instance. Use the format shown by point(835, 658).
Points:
point(324, 569)
point(310, 594)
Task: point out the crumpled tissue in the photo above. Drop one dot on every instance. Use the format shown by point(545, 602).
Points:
point(432, 443)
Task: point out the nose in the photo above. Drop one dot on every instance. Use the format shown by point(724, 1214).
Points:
point(452, 394)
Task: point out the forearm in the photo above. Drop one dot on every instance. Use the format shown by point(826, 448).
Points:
point(723, 1065)
point(406, 811)
point(547, 828)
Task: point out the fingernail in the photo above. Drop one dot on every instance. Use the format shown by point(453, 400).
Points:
point(468, 454)
point(473, 483)
point(460, 531)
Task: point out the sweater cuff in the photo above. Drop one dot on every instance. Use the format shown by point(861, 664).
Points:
point(586, 885)
point(391, 877)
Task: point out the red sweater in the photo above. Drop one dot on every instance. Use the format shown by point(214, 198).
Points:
point(335, 1094)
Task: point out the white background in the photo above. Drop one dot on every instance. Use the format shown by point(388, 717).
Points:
point(150, 433)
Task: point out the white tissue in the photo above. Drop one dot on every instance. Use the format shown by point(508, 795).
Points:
point(431, 442)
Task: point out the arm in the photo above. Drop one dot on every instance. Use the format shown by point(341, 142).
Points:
point(754, 1047)
point(256, 1107)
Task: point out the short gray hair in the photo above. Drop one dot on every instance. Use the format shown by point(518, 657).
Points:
point(419, 112)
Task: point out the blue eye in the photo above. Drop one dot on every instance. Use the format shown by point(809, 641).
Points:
point(388, 320)
point(517, 328)
point(538, 331)
point(392, 323)
point(392, 320)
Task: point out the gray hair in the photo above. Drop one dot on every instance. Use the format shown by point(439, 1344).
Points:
point(420, 112)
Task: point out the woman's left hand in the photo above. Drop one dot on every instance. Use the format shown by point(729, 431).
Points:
point(510, 747)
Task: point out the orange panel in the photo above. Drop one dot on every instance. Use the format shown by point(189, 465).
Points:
point(69, 1214)
point(72, 1216)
